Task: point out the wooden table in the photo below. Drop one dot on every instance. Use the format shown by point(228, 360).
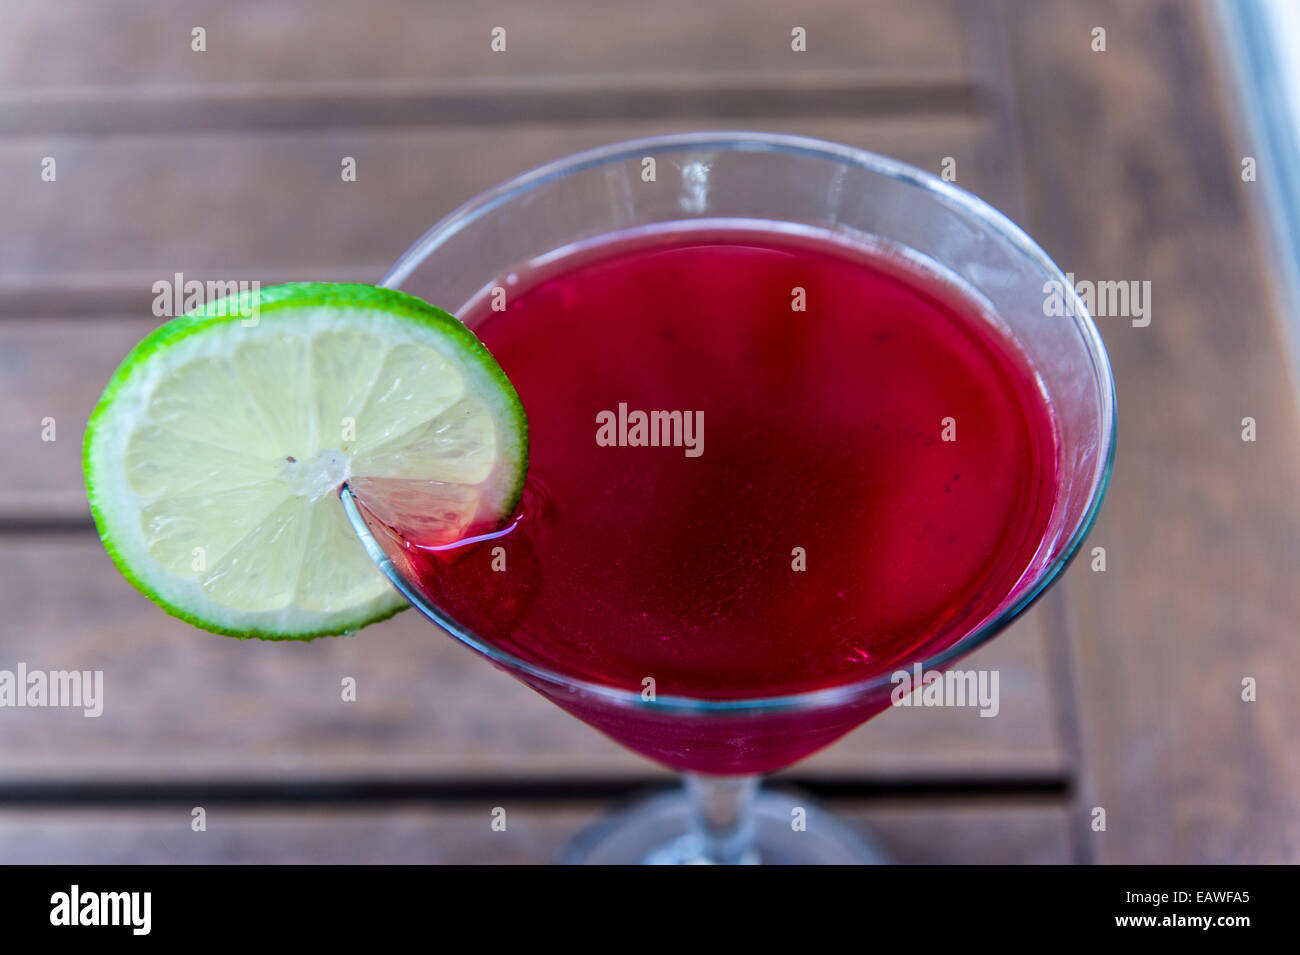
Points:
point(1120, 690)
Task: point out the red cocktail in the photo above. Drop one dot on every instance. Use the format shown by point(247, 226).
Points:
point(760, 464)
point(772, 460)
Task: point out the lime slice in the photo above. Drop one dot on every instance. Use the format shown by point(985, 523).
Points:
point(214, 457)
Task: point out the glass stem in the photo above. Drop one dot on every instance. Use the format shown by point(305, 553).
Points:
point(722, 817)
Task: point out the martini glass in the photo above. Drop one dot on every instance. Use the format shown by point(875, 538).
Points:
point(724, 745)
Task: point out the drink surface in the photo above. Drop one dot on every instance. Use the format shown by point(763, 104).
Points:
point(812, 526)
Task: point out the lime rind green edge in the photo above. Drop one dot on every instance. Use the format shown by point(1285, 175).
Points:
point(291, 295)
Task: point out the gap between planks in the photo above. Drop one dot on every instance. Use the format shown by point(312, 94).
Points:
point(1028, 789)
point(89, 111)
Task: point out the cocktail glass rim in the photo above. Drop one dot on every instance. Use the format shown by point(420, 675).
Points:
point(747, 141)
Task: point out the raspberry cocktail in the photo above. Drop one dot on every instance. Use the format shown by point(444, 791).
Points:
point(797, 420)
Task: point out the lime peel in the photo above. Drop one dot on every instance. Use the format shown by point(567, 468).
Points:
point(213, 456)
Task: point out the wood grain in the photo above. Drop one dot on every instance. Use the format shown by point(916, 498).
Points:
point(274, 205)
point(1133, 175)
point(92, 46)
point(939, 834)
point(294, 65)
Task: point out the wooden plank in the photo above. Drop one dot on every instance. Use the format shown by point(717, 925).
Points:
point(976, 834)
point(1134, 174)
point(40, 472)
point(945, 834)
point(82, 43)
point(294, 65)
point(180, 704)
point(129, 211)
